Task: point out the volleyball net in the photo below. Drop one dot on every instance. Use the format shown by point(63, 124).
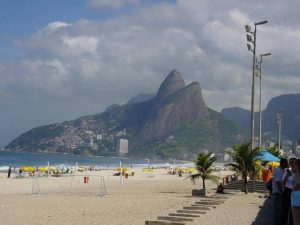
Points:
point(75, 184)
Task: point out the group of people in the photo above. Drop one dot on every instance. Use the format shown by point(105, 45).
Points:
point(286, 193)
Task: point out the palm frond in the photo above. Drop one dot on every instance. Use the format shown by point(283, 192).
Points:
point(194, 177)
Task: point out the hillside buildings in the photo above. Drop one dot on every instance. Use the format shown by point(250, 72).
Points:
point(122, 147)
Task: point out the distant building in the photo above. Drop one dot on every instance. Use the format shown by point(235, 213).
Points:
point(122, 147)
point(227, 156)
point(297, 151)
point(95, 147)
point(99, 137)
point(272, 144)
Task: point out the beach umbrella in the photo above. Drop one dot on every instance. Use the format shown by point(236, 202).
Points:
point(148, 170)
point(273, 164)
point(45, 169)
point(266, 156)
point(123, 169)
point(27, 168)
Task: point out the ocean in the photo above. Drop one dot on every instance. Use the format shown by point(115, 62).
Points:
point(39, 159)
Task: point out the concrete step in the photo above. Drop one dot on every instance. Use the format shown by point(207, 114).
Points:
point(212, 200)
point(215, 197)
point(160, 222)
point(175, 218)
point(183, 215)
point(207, 206)
point(190, 211)
point(196, 208)
point(208, 203)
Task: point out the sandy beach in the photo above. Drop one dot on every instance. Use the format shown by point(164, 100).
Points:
point(132, 202)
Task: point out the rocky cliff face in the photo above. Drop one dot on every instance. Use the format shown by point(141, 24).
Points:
point(174, 105)
point(173, 83)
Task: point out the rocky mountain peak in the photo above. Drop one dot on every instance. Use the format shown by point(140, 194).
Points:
point(173, 83)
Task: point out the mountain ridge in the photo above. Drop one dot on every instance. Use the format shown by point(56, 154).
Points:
point(157, 127)
point(289, 107)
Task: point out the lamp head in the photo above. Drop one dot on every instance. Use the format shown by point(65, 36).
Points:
point(261, 22)
point(249, 38)
point(248, 28)
point(266, 54)
point(249, 47)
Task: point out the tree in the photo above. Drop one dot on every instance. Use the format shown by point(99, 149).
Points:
point(244, 161)
point(204, 167)
point(274, 151)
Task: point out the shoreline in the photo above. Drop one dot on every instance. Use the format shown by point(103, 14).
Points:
point(19, 159)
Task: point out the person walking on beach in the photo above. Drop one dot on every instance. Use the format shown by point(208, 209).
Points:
point(277, 189)
point(288, 179)
point(9, 172)
point(295, 197)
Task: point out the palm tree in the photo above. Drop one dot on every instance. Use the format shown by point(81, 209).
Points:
point(244, 161)
point(204, 167)
point(274, 151)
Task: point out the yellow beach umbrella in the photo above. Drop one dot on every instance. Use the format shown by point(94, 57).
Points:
point(123, 169)
point(148, 170)
point(45, 169)
point(27, 168)
point(192, 169)
point(273, 164)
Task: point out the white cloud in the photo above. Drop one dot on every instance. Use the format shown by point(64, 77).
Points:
point(80, 45)
point(96, 63)
point(54, 26)
point(112, 4)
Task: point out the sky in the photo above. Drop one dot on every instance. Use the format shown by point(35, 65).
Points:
point(62, 59)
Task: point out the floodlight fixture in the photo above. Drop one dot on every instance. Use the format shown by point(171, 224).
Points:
point(248, 28)
point(267, 54)
point(249, 38)
point(249, 47)
point(261, 23)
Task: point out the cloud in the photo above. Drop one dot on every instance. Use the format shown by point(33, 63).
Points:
point(111, 4)
point(69, 70)
point(54, 26)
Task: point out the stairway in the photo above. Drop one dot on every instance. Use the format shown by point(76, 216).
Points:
point(188, 214)
point(239, 185)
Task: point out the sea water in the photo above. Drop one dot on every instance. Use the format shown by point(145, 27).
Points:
point(41, 159)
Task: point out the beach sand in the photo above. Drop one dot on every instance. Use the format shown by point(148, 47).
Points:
point(131, 203)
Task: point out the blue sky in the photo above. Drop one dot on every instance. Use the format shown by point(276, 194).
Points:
point(19, 18)
point(62, 59)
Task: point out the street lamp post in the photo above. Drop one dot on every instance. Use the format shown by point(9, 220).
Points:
point(278, 117)
point(260, 113)
point(147, 168)
point(252, 39)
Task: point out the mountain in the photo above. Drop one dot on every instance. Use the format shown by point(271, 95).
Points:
point(141, 98)
point(174, 123)
point(287, 105)
point(238, 115)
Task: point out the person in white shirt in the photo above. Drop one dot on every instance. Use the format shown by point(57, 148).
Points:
point(287, 181)
point(277, 189)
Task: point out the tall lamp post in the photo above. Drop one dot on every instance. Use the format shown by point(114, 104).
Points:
point(251, 38)
point(147, 168)
point(278, 117)
point(260, 113)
